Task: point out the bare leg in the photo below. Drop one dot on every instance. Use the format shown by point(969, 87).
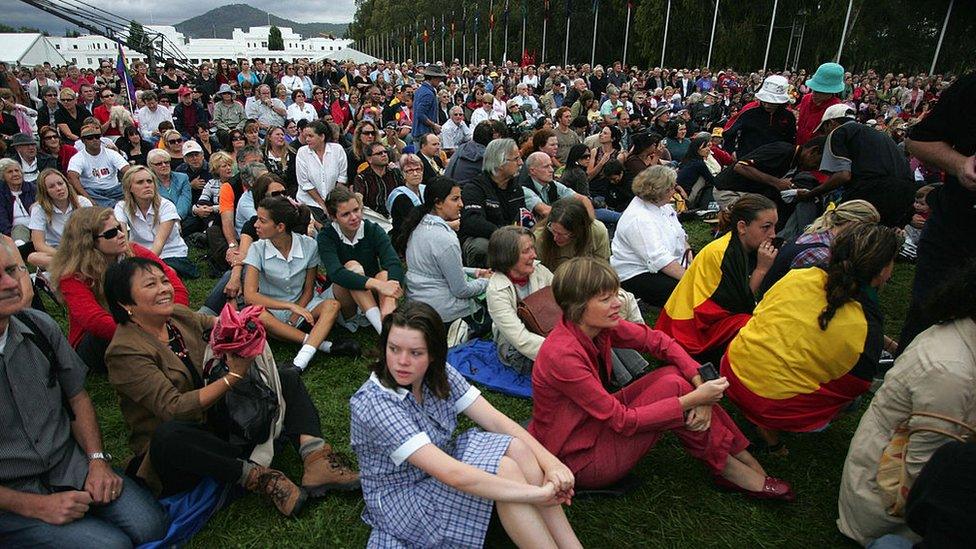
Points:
point(554, 516)
point(281, 330)
point(362, 298)
point(742, 475)
point(522, 521)
point(387, 304)
point(325, 314)
point(749, 461)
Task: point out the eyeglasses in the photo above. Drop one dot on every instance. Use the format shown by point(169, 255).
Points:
point(67, 99)
point(273, 194)
point(111, 233)
point(108, 96)
point(174, 141)
point(377, 153)
point(413, 169)
point(14, 271)
point(237, 138)
point(158, 164)
point(50, 136)
point(90, 137)
point(50, 95)
point(516, 159)
point(368, 132)
point(558, 234)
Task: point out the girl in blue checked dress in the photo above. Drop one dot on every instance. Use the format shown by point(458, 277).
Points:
point(423, 489)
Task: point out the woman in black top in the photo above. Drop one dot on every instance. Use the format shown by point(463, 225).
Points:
point(130, 144)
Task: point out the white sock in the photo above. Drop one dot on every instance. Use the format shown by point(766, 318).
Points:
point(374, 318)
point(325, 346)
point(303, 357)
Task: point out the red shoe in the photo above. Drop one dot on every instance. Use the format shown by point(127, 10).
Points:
point(773, 488)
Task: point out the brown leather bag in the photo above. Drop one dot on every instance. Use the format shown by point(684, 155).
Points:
point(539, 311)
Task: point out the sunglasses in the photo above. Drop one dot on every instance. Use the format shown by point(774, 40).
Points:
point(111, 233)
point(237, 138)
point(109, 96)
point(368, 132)
point(159, 164)
point(276, 193)
point(174, 141)
point(90, 137)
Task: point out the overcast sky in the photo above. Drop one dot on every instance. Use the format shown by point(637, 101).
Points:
point(169, 12)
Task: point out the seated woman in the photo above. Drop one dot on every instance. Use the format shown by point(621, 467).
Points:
point(280, 276)
point(650, 247)
point(16, 198)
point(697, 171)
point(812, 346)
point(155, 363)
point(404, 199)
point(602, 435)
point(153, 221)
point(716, 295)
point(360, 261)
point(812, 248)
point(569, 231)
point(517, 274)
point(423, 489)
point(171, 185)
point(56, 200)
point(435, 275)
point(936, 374)
point(92, 240)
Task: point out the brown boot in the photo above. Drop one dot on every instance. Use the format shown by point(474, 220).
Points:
point(324, 471)
point(272, 483)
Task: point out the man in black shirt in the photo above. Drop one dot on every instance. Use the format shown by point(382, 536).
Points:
point(491, 200)
point(945, 138)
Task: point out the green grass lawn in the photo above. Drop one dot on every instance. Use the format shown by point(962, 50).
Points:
point(676, 505)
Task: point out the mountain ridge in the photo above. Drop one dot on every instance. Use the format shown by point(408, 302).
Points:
point(220, 23)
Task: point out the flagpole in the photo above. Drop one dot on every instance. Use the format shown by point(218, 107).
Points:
point(711, 41)
point(596, 22)
point(545, 23)
point(627, 33)
point(491, 30)
point(505, 47)
point(769, 41)
point(523, 31)
point(566, 51)
point(667, 19)
point(843, 33)
point(443, 30)
point(938, 46)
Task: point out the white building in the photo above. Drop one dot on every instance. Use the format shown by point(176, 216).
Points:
point(28, 49)
point(87, 51)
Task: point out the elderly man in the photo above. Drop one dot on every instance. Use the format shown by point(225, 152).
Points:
point(267, 110)
point(188, 113)
point(455, 132)
point(95, 170)
point(527, 103)
point(151, 115)
point(425, 103)
point(31, 163)
point(376, 181)
point(542, 190)
point(493, 199)
point(56, 485)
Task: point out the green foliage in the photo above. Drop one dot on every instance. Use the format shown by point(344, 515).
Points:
point(894, 35)
point(275, 42)
point(18, 30)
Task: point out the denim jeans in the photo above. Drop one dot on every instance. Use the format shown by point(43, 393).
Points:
point(132, 519)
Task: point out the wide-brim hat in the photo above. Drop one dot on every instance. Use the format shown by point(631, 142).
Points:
point(829, 78)
point(660, 111)
point(433, 71)
point(21, 139)
point(774, 90)
point(225, 88)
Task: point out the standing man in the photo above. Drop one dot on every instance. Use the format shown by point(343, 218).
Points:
point(425, 103)
point(826, 83)
point(57, 486)
point(945, 139)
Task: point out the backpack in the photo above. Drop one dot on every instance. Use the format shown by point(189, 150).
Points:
point(36, 337)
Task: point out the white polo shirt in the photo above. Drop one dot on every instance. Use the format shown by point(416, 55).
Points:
point(319, 175)
point(99, 172)
point(54, 227)
point(142, 231)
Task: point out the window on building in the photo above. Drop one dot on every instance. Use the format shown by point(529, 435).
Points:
point(264, 44)
point(74, 46)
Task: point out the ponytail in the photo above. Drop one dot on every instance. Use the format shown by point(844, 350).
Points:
point(294, 215)
point(746, 208)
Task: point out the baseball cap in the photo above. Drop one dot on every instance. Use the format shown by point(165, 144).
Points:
point(834, 112)
point(191, 146)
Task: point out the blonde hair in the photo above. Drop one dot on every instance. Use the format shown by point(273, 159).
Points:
point(652, 183)
point(166, 135)
point(77, 255)
point(218, 159)
point(44, 199)
point(130, 202)
point(850, 212)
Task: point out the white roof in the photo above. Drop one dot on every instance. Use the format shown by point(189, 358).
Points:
point(348, 54)
point(28, 49)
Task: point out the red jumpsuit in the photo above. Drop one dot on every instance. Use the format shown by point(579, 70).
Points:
point(600, 435)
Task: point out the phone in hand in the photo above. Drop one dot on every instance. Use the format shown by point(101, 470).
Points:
point(708, 372)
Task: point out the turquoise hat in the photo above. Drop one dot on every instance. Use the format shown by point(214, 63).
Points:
point(829, 78)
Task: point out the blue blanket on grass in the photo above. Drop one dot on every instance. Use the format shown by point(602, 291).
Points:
point(189, 511)
point(477, 360)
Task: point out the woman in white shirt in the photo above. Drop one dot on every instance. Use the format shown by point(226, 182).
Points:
point(650, 248)
point(56, 200)
point(299, 109)
point(152, 221)
point(486, 111)
point(319, 165)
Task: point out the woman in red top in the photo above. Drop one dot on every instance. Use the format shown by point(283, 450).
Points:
point(601, 435)
point(92, 240)
point(52, 144)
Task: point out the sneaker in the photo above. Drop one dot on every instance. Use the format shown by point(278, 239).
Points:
point(324, 471)
point(273, 484)
point(345, 348)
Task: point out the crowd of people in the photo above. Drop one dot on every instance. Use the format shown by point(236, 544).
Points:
point(540, 207)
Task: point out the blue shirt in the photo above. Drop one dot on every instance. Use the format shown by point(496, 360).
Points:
point(279, 277)
point(424, 109)
point(179, 193)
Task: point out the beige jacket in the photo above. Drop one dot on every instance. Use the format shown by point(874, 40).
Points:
point(507, 328)
point(937, 373)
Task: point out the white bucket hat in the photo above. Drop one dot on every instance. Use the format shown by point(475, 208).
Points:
point(774, 90)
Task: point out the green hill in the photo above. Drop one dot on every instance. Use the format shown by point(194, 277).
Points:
point(221, 22)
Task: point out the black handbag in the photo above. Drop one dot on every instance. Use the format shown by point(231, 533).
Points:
point(247, 411)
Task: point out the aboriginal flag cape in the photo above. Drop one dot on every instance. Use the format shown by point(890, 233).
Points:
point(712, 300)
point(787, 374)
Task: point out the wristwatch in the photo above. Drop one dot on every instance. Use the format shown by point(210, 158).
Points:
point(104, 456)
point(232, 245)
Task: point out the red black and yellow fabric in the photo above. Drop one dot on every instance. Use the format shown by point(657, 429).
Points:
point(712, 300)
point(787, 374)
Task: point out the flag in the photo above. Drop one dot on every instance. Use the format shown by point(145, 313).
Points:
point(505, 14)
point(453, 29)
point(426, 36)
point(491, 20)
point(477, 18)
point(443, 28)
point(123, 72)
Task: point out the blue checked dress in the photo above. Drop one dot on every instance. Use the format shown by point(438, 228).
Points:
point(405, 506)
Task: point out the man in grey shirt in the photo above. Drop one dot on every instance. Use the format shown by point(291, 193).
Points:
point(56, 485)
point(267, 110)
